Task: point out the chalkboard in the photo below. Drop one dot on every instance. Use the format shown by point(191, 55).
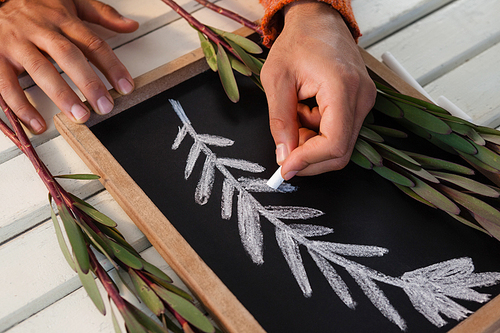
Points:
point(345, 251)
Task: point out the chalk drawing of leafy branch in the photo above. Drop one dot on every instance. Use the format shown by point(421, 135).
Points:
point(429, 289)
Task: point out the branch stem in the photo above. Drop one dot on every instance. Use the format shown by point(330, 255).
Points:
point(232, 15)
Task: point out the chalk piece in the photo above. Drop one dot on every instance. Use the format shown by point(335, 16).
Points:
point(276, 180)
point(446, 104)
point(396, 66)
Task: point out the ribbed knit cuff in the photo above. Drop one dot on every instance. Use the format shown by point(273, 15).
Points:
point(272, 22)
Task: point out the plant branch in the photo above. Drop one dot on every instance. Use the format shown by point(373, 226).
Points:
point(232, 15)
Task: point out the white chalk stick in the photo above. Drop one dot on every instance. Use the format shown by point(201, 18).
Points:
point(397, 68)
point(276, 180)
point(446, 104)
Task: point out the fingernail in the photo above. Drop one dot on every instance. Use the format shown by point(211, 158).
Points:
point(36, 126)
point(289, 175)
point(281, 153)
point(104, 105)
point(125, 87)
point(78, 111)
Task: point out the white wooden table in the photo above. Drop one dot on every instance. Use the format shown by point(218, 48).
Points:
point(450, 47)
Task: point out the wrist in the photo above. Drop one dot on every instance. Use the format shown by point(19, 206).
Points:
point(312, 11)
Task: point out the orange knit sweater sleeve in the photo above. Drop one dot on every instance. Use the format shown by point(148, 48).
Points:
point(272, 22)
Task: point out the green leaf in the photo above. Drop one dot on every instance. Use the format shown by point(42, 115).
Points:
point(126, 282)
point(399, 153)
point(126, 256)
point(245, 57)
point(487, 130)
point(387, 107)
point(79, 176)
point(368, 151)
point(478, 163)
point(152, 269)
point(226, 75)
point(486, 215)
point(209, 51)
point(60, 238)
point(95, 214)
point(424, 104)
point(468, 184)
point(487, 156)
point(435, 163)
point(491, 138)
point(468, 223)
point(143, 320)
point(245, 43)
point(185, 309)
point(434, 197)
point(98, 240)
point(457, 142)
point(369, 119)
point(132, 323)
point(370, 134)
point(424, 119)
point(146, 294)
point(414, 195)
point(170, 286)
point(391, 132)
point(468, 131)
point(75, 238)
point(90, 286)
point(239, 66)
point(114, 234)
point(361, 160)
point(116, 326)
point(393, 176)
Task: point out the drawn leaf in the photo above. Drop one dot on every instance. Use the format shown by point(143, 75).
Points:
point(338, 285)
point(242, 165)
point(227, 199)
point(310, 230)
point(290, 249)
point(215, 140)
point(180, 136)
point(193, 155)
point(206, 182)
point(377, 297)
point(330, 250)
point(293, 213)
point(259, 185)
point(249, 228)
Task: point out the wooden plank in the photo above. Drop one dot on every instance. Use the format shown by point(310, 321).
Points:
point(474, 87)
point(77, 314)
point(34, 271)
point(378, 19)
point(23, 195)
point(445, 39)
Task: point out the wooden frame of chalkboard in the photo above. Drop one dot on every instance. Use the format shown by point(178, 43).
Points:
point(218, 299)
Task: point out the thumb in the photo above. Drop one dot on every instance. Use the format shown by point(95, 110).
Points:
point(100, 13)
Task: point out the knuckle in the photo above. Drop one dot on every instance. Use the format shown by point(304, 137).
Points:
point(92, 85)
point(277, 124)
point(95, 44)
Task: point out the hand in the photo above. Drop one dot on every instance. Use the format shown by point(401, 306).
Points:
point(33, 30)
point(315, 56)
